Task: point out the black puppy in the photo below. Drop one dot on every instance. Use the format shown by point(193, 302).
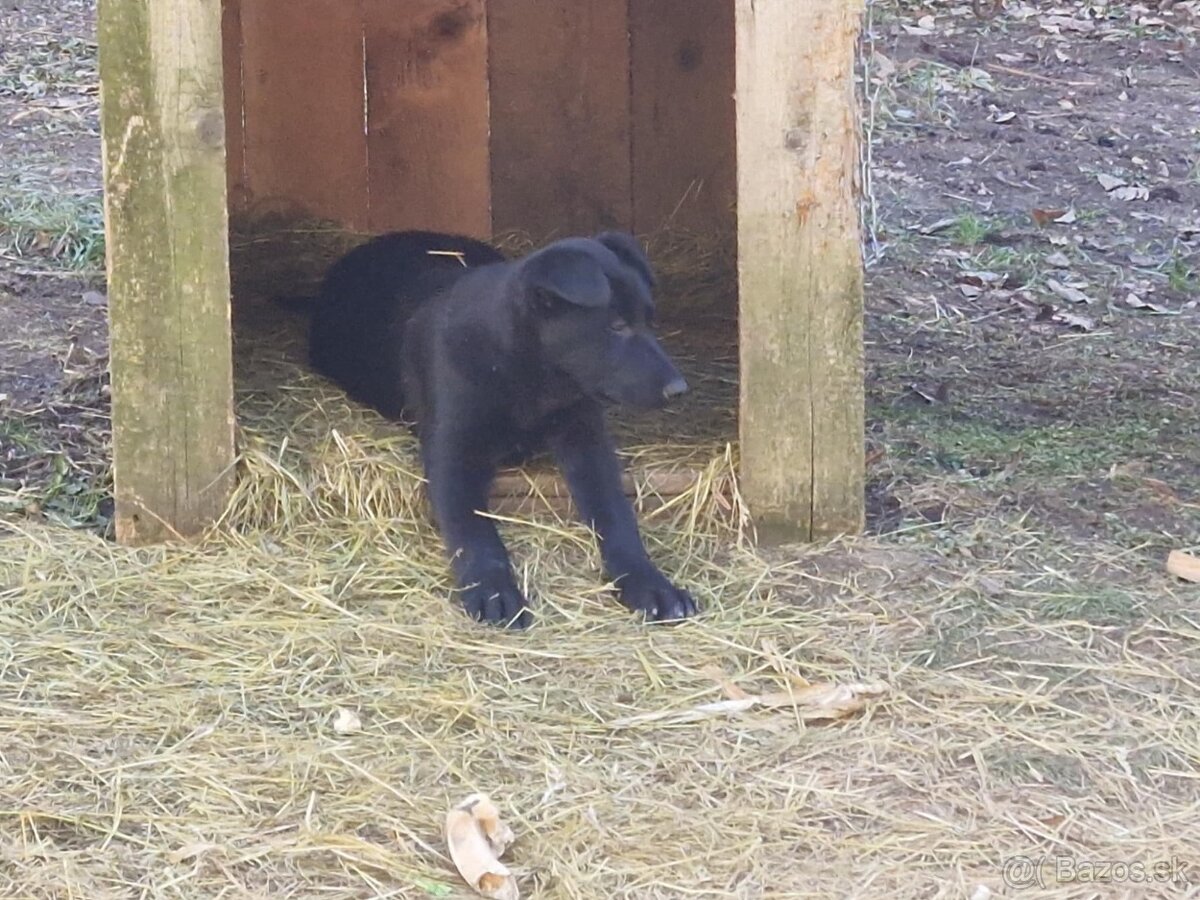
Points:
point(495, 361)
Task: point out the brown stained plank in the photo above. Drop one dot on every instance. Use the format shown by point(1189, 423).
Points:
point(163, 131)
point(684, 165)
point(306, 146)
point(559, 116)
point(509, 483)
point(800, 268)
point(235, 150)
point(427, 115)
point(521, 493)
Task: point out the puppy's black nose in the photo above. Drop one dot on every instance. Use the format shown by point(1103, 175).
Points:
point(675, 388)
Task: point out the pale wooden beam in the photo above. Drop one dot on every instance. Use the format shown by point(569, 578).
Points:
point(800, 268)
point(168, 266)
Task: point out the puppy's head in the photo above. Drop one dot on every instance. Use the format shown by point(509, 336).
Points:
point(592, 304)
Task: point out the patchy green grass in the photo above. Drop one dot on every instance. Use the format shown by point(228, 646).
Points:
point(950, 442)
point(37, 476)
point(970, 229)
point(1024, 265)
point(60, 229)
point(1094, 605)
point(1181, 277)
point(49, 67)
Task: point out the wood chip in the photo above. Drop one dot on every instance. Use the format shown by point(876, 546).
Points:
point(1183, 565)
point(476, 838)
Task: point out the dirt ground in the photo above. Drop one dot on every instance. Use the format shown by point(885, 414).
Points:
point(1032, 238)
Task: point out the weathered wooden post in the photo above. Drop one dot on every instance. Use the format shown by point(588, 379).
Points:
point(800, 270)
point(168, 264)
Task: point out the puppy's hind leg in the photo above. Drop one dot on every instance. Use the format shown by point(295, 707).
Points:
point(458, 487)
point(585, 453)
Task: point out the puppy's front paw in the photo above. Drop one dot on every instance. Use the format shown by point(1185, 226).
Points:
point(648, 590)
point(497, 602)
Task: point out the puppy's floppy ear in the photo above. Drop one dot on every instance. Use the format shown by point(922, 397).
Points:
point(629, 251)
point(567, 273)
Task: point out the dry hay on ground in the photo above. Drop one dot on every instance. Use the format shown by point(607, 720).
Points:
point(167, 714)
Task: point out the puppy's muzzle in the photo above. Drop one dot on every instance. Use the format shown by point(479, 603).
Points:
point(675, 388)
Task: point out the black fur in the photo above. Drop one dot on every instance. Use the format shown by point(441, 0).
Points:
point(494, 361)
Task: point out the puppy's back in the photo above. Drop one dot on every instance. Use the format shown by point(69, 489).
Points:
point(366, 299)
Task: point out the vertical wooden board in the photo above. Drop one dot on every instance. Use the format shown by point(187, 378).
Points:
point(799, 263)
point(427, 115)
point(559, 115)
point(168, 265)
point(684, 144)
point(231, 53)
point(306, 144)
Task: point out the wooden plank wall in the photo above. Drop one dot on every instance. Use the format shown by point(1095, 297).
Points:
point(302, 88)
point(231, 62)
point(560, 115)
point(368, 113)
point(427, 115)
point(684, 165)
point(483, 115)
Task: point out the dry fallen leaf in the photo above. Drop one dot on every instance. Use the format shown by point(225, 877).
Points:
point(1043, 217)
point(1074, 295)
point(1110, 182)
point(928, 398)
point(1059, 260)
point(1183, 565)
point(346, 721)
point(979, 279)
point(1133, 301)
point(883, 65)
point(810, 702)
point(1081, 323)
point(939, 225)
point(1131, 192)
point(477, 838)
point(1055, 24)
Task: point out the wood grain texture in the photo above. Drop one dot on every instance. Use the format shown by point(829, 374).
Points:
point(304, 100)
point(560, 116)
point(799, 262)
point(168, 269)
point(519, 493)
point(684, 144)
point(427, 115)
point(235, 149)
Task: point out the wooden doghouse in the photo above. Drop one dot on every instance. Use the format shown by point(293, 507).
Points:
point(478, 116)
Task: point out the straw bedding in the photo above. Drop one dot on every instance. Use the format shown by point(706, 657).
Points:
point(167, 714)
